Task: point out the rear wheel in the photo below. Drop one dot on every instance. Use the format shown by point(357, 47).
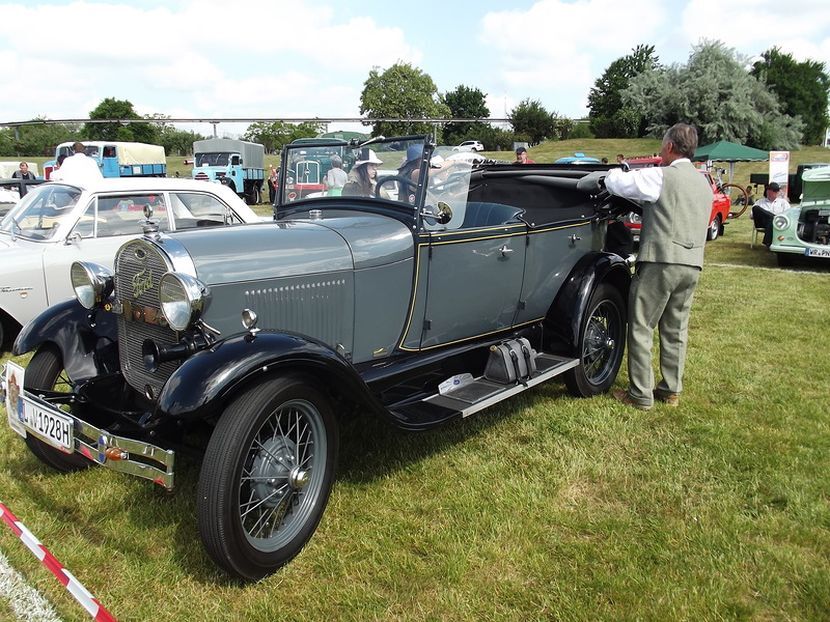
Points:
point(601, 344)
point(266, 476)
point(45, 372)
point(714, 229)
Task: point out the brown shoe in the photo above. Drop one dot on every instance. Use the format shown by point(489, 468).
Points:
point(669, 399)
point(621, 395)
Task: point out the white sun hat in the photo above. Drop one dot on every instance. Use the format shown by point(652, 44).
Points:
point(367, 156)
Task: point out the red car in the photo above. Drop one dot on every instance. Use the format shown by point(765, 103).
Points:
point(720, 203)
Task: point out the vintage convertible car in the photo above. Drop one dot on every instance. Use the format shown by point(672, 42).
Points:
point(57, 223)
point(804, 230)
point(441, 291)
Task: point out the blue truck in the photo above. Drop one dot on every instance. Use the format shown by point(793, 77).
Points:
point(238, 164)
point(117, 159)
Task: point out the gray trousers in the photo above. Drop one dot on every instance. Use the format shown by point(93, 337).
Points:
point(660, 297)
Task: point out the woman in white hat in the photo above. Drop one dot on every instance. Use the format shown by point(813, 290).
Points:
point(363, 175)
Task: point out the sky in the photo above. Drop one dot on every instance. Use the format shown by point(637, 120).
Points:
point(273, 58)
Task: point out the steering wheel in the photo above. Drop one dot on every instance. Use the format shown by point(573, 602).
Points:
point(411, 186)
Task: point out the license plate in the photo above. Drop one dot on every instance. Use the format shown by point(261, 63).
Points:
point(48, 424)
point(817, 252)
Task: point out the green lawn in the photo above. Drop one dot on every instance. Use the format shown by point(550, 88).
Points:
point(544, 507)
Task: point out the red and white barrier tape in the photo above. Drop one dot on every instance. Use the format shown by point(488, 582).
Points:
point(78, 591)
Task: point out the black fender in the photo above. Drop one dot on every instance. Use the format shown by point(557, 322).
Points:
point(199, 386)
point(87, 340)
point(565, 314)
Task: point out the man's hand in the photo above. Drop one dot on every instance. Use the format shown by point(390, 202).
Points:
point(592, 182)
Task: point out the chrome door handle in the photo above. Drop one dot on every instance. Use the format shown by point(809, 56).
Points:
point(505, 250)
point(574, 238)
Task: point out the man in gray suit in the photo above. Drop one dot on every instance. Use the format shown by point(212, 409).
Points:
point(677, 202)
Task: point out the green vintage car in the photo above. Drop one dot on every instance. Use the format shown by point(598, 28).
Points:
point(804, 230)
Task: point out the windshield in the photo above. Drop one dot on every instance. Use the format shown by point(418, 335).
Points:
point(41, 212)
point(408, 171)
point(212, 159)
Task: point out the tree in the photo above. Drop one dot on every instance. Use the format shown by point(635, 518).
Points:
point(717, 95)
point(273, 136)
point(802, 90)
point(465, 103)
point(609, 118)
point(532, 120)
point(401, 91)
point(177, 142)
point(37, 140)
point(111, 108)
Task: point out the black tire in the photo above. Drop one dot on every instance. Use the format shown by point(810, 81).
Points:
point(601, 344)
point(714, 229)
point(45, 372)
point(254, 196)
point(251, 458)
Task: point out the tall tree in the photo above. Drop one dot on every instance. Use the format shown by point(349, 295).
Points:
point(609, 117)
point(465, 103)
point(715, 93)
point(111, 108)
point(801, 87)
point(401, 91)
point(37, 140)
point(530, 119)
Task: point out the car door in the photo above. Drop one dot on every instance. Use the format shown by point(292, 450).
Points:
point(473, 275)
point(104, 225)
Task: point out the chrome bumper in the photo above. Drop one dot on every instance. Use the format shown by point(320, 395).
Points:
point(114, 452)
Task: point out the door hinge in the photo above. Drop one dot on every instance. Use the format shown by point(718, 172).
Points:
point(522, 305)
point(427, 324)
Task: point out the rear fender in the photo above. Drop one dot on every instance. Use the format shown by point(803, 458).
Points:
point(86, 339)
point(203, 382)
point(565, 314)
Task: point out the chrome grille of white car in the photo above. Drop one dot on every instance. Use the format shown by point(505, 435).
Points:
point(140, 262)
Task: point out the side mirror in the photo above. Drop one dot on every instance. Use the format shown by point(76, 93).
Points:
point(441, 213)
point(74, 238)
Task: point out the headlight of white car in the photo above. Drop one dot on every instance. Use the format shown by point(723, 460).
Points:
point(781, 222)
point(182, 299)
point(92, 283)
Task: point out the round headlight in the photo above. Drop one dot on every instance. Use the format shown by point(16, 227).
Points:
point(92, 283)
point(781, 222)
point(182, 299)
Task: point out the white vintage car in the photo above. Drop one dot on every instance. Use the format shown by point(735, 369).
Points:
point(58, 223)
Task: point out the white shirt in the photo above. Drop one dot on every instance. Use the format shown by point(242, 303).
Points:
point(336, 178)
point(78, 169)
point(643, 185)
point(778, 206)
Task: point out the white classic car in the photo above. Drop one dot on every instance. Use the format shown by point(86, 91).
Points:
point(58, 223)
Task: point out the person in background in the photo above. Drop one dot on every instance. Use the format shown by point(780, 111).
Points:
point(766, 208)
point(604, 161)
point(748, 200)
point(23, 172)
point(676, 202)
point(335, 177)
point(363, 176)
point(521, 156)
point(622, 162)
point(272, 185)
point(78, 168)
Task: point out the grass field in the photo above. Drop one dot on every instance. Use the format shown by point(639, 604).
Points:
point(544, 507)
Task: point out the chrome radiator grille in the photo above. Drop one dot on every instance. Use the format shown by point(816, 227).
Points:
point(138, 268)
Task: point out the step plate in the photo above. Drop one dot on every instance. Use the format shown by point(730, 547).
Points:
point(481, 393)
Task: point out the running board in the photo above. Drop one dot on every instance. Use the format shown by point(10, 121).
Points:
point(477, 395)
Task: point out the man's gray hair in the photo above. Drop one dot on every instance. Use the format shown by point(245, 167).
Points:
point(684, 139)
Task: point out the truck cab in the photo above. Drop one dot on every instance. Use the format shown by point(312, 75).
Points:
point(238, 164)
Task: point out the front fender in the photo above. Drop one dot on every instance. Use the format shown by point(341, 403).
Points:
point(565, 314)
point(86, 339)
point(202, 381)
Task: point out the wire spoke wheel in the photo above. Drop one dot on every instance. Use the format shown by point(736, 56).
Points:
point(266, 476)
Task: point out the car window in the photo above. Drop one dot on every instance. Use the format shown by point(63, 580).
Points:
point(196, 209)
point(124, 214)
point(42, 211)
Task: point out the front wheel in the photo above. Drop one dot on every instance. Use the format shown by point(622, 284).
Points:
point(713, 231)
point(601, 344)
point(266, 476)
point(45, 372)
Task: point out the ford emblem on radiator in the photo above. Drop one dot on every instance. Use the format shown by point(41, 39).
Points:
point(142, 282)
